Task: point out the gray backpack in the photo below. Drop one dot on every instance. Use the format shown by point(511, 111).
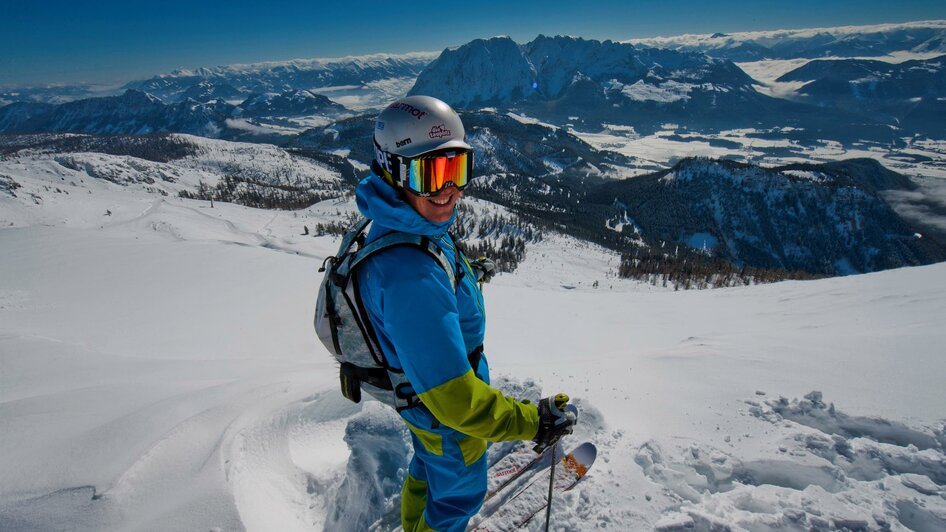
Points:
point(343, 325)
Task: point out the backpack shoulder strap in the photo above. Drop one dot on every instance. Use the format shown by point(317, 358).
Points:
point(352, 235)
point(395, 239)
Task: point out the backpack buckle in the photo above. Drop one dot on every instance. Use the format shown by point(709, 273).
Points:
point(351, 384)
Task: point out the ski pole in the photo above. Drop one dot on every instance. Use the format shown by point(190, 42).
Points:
point(548, 509)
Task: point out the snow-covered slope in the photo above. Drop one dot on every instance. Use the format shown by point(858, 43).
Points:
point(159, 371)
point(53, 186)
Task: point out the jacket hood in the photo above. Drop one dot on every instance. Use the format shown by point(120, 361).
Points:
point(382, 203)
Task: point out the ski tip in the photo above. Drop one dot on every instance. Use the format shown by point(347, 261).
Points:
point(572, 408)
point(585, 454)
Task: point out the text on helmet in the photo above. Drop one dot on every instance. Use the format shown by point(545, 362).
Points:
point(408, 108)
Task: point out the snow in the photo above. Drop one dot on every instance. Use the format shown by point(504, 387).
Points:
point(528, 120)
point(159, 371)
point(652, 151)
point(245, 125)
point(370, 96)
point(768, 71)
point(666, 92)
point(662, 149)
point(308, 64)
point(806, 174)
point(308, 122)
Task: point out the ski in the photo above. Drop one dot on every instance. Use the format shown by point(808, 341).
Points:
point(511, 467)
point(523, 506)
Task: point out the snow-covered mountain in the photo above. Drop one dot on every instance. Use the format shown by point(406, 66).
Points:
point(499, 71)
point(133, 112)
point(52, 94)
point(864, 79)
point(282, 76)
point(357, 81)
point(913, 92)
point(587, 83)
point(206, 91)
point(136, 112)
point(846, 41)
point(291, 103)
point(830, 218)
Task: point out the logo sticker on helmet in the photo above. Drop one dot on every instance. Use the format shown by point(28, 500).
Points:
point(404, 142)
point(380, 125)
point(408, 108)
point(438, 132)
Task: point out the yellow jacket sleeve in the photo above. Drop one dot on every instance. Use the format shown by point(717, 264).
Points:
point(472, 407)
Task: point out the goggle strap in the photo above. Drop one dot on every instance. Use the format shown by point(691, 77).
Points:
point(396, 176)
point(379, 171)
point(403, 172)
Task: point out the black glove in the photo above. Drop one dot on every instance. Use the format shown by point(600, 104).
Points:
point(554, 421)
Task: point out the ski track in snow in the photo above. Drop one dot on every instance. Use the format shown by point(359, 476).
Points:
point(159, 372)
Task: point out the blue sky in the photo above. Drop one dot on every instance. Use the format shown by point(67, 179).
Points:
point(114, 41)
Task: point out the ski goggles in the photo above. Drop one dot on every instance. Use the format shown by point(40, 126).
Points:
point(428, 175)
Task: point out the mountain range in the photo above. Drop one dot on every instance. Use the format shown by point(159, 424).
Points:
point(848, 41)
point(283, 76)
point(583, 83)
point(136, 112)
point(132, 112)
point(588, 83)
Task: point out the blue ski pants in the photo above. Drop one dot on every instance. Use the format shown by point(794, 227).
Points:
point(446, 481)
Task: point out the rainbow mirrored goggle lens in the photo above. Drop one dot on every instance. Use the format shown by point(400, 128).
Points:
point(428, 175)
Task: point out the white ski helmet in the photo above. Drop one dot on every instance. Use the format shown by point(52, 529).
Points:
point(415, 125)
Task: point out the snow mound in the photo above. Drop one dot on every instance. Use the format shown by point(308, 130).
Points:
point(380, 445)
point(823, 469)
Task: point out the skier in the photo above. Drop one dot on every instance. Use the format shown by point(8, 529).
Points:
point(428, 329)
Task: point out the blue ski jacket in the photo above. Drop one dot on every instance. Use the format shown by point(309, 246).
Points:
point(427, 328)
